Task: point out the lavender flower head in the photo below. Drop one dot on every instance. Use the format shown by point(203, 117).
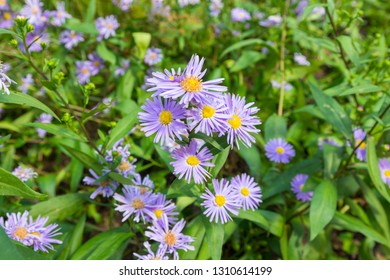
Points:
point(164, 119)
point(71, 38)
point(118, 150)
point(279, 151)
point(360, 135)
point(301, 59)
point(33, 11)
point(153, 56)
point(159, 9)
point(60, 15)
point(190, 163)
point(164, 208)
point(173, 239)
point(287, 85)
point(97, 63)
point(247, 191)
point(326, 140)
point(43, 118)
point(17, 227)
point(27, 82)
point(34, 40)
point(274, 20)
point(240, 15)
point(44, 235)
point(84, 71)
point(184, 3)
point(297, 185)
point(242, 120)
point(159, 255)
point(189, 86)
point(219, 205)
point(106, 27)
point(6, 19)
point(121, 70)
point(24, 173)
point(105, 186)
point(144, 185)
point(384, 167)
point(124, 5)
point(215, 7)
point(5, 81)
point(4, 5)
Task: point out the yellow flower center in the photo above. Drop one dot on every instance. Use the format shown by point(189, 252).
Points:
point(208, 112)
point(36, 234)
point(3, 2)
point(85, 71)
point(158, 213)
point(245, 191)
point(7, 16)
point(362, 144)
point(72, 35)
point(34, 10)
point(279, 150)
point(171, 78)
point(387, 173)
point(110, 26)
point(20, 232)
point(138, 204)
point(193, 161)
point(191, 84)
point(170, 238)
point(165, 117)
point(220, 200)
point(155, 259)
point(125, 165)
point(235, 122)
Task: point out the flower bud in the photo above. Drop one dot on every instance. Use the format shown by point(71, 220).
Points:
point(21, 21)
point(13, 43)
point(43, 45)
point(30, 27)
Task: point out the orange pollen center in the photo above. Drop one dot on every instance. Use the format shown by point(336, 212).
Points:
point(165, 117)
point(191, 84)
point(279, 150)
point(158, 213)
point(20, 232)
point(110, 26)
point(125, 165)
point(220, 200)
point(208, 112)
point(138, 204)
point(85, 70)
point(192, 161)
point(170, 238)
point(7, 16)
point(245, 191)
point(235, 122)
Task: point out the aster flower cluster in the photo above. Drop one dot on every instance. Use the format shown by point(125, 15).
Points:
point(88, 68)
point(242, 192)
point(183, 103)
point(24, 173)
point(24, 229)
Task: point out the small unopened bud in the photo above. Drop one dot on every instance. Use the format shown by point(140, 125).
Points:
point(43, 45)
point(66, 117)
point(30, 27)
point(52, 64)
point(21, 21)
point(13, 43)
point(112, 124)
point(59, 77)
point(90, 88)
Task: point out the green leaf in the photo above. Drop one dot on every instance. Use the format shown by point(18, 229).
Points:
point(10, 185)
point(331, 6)
point(104, 245)
point(120, 178)
point(59, 207)
point(165, 156)
point(348, 46)
point(6, 31)
point(195, 229)
point(126, 87)
point(347, 222)
point(332, 159)
point(122, 128)
point(90, 14)
point(105, 53)
point(360, 89)
point(241, 44)
point(219, 161)
point(374, 171)
point(75, 240)
point(275, 127)
point(87, 160)
point(322, 207)
point(142, 41)
point(268, 220)
point(247, 59)
point(57, 130)
point(24, 99)
point(253, 160)
point(76, 171)
point(214, 236)
point(82, 27)
point(334, 113)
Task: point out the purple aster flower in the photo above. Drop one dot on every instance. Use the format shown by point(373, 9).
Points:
point(5, 81)
point(173, 239)
point(32, 10)
point(258, 15)
point(6, 19)
point(318, 12)
point(60, 15)
point(97, 63)
point(43, 118)
point(360, 136)
point(215, 7)
point(326, 140)
point(301, 59)
point(84, 71)
point(144, 185)
point(209, 117)
point(184, 3)
point(153, 56)
point(159, 9)
point(124, 5)
point(34, 41)
point(106, 27)
point(302, 4)
point(164, 119)
point(121, 70)
point(241, 121)
point(191, 87)
point(126, 167)
point(71, 38)
point(271, 21)
point(24, 174)
point(240, 15)
point(163, 207)
point(27, 82)
point(384, 167)
point(297, 185)
point(247, 191)
point(279, 151)
point(106, 186)
point(159, 255)
point(3, 5)
point(17, 227)
point(219, 205)
point(135, 202)
point(118, 150)
point(44, 235)
point(190, 163)
point(287, 86)
point(154, 78)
